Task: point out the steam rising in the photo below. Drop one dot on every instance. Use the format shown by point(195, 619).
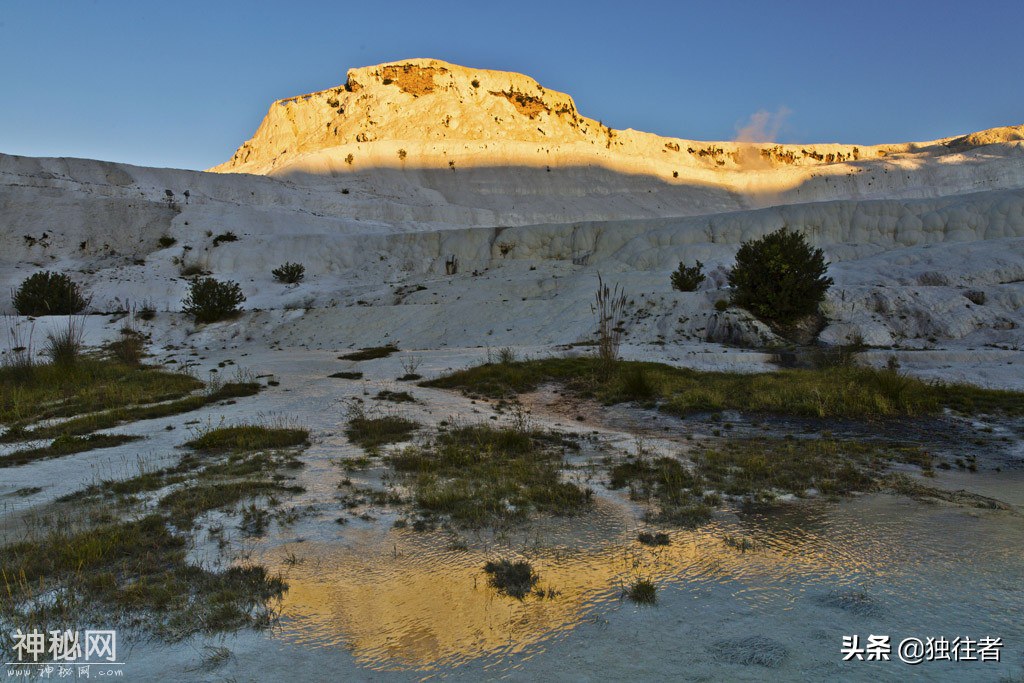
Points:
point(763, 126)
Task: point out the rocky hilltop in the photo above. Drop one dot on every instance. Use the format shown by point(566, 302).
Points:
point(429, 101)
point(405, 121)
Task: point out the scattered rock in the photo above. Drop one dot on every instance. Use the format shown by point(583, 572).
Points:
point(751, 651)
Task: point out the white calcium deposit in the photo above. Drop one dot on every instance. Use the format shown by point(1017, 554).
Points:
point(383, 186)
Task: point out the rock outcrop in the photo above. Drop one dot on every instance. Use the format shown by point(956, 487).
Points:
point(497, 140)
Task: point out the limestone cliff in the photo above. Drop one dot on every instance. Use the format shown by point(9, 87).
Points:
point(426, 100)
point(402, 128)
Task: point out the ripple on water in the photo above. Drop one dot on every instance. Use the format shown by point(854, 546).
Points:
point(401, 600)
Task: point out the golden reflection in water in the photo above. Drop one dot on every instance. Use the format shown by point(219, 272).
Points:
point(398, 599)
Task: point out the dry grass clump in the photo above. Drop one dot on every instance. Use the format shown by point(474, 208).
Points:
point(642, 591)
point(64, 345)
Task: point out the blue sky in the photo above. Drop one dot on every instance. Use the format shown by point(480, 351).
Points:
point(183, 83)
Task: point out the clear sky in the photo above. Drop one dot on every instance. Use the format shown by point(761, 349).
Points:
point(183, 83)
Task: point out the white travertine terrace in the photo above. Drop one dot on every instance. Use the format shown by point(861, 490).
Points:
point(376, 184)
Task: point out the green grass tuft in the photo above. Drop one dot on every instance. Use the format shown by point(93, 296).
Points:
point(89, 385)
point(846, 391)
point(653, 539)
point(66, 445)
point(347, 375)
point(371, 353)
point(187, 503)
point(119, 416)
point(763, 467)
point(135, 569)
point(395, 396)
point(249, 438)
point(373, 432)
point(481, 475)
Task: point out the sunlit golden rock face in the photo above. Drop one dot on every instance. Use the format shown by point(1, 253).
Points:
point(423, 128)
point(426, 100)
point(416, 100)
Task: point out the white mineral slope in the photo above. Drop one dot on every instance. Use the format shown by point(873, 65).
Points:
point(494, 173)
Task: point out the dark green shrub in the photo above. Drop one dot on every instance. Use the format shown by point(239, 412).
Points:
point(224, 237)
point(210, 300)
point(289, 273)
point(147, 311)
point(688, 278)
point(47, 293)
point(779, 277)
point(191, 270)
point(721, 305)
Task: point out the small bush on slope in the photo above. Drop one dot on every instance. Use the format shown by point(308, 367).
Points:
point(47, 293)
point(210, 300)
point(779, 277)
point(289, 273)
point(688, 278)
